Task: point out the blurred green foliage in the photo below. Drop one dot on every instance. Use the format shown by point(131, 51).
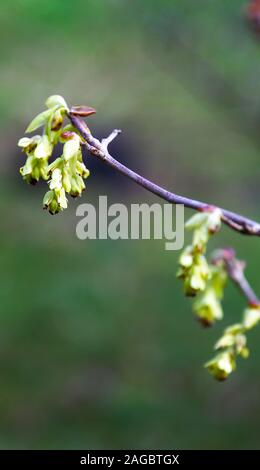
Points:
point(98, 347)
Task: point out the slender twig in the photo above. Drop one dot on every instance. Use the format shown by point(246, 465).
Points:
point(105, 142)
point(99, 149)
point(235, 269)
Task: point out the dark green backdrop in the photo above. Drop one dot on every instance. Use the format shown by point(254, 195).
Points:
point(98, 346)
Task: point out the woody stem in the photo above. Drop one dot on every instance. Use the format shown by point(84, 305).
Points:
point(235, 269)
point(99, 149)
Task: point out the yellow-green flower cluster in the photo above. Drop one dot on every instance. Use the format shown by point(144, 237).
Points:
point(207, 306)
point(38, 150)
point(233, 344)
point(204, 224)
point(66, 176)
point(67, 173)
point(194, 269)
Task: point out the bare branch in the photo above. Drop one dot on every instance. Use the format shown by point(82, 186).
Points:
point(235, 221)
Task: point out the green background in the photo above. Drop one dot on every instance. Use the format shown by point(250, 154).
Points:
point(98, 346)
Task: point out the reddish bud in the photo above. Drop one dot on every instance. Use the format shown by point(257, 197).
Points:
point(82, 111)
point(67, 135)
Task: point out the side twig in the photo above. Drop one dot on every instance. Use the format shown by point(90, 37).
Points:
point(235, 269)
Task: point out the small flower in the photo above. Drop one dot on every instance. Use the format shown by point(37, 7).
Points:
point(66, 178)
point(231, 344)
point(77, 185)
point(71, 147)
point(34, 169)
point(38, 150)
point(56, 179)
point(194, 271)
point(186, 257)
point(82, 170)
point(234, 338)
point(61, 198)
point(55, 201)
point(50, 202)
point(29, 144)
point(43, 148)
point(207, 307)
point(198, 276)
point(240, 346)
point(204, 224)
point(251, 317)
point(226, 341)
point(74, 169)
point(214, 220)
point(222, 365)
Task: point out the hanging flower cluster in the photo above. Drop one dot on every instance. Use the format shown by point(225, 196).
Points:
point(194, 269)
point(233, 344)
point(207, 306)
point(66, 174)
point(206, 282)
